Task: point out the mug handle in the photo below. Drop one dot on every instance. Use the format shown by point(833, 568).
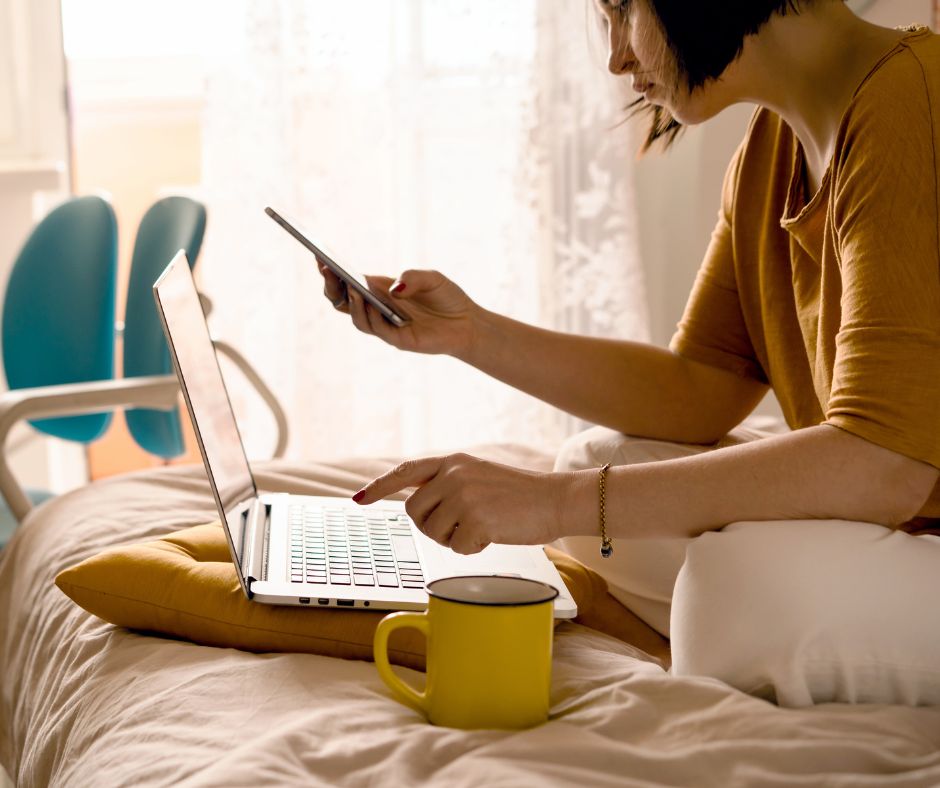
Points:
point(401, 689)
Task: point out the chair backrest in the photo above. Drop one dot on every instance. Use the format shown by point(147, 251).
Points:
point(58, 310)
point(169, 225)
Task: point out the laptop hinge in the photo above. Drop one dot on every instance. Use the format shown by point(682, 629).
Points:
point(256, 527)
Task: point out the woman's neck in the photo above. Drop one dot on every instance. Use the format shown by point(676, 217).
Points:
point(806, 67)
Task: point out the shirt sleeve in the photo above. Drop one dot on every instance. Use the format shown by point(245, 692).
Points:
point(886, 375)
point(712, 330)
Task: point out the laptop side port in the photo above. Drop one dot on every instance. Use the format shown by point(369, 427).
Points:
point(346, 602)
point(304, 600)
point(323, 601)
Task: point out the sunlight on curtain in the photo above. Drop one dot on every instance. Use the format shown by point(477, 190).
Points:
point(473, 137)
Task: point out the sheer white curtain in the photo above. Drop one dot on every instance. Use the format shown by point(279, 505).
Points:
point(473, 136)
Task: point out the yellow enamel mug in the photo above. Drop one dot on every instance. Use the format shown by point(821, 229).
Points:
point(489, 655)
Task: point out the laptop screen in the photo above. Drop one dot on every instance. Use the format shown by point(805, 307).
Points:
point(206, 396)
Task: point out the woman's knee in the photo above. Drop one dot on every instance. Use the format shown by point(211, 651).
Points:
point(597, 446)
point(811, 611)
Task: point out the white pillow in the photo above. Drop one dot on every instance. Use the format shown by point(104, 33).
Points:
point(812, 611)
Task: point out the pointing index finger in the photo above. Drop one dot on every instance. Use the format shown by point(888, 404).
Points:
point(410, 473)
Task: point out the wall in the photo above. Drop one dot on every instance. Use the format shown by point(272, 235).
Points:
point(33, 117)
point(34, 162)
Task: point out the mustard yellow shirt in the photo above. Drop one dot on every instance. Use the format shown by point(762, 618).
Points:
point(834, 298)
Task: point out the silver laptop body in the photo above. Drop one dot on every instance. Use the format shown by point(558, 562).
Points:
point(311, 550)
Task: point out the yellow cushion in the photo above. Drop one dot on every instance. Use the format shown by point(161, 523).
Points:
point(185, 586)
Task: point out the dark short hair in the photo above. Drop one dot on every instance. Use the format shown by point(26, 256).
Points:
point(704, 38)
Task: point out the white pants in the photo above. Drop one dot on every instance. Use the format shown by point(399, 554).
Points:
point(797, 611)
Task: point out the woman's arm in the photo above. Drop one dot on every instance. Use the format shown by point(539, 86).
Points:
point(820, 472)
point(636, 388)
point(632, 387)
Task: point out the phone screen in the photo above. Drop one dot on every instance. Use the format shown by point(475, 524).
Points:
point(351, 278)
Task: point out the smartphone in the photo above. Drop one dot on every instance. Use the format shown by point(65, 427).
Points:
point(350, 278)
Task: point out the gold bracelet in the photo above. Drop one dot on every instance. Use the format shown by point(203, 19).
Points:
point(607, 548)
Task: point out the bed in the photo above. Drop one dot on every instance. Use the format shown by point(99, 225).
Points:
point(85, 703)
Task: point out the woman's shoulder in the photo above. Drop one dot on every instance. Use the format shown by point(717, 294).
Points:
point(896, 107)
point(904, 85)
point(906, 78)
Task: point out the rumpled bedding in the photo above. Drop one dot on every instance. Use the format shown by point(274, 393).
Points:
point(83, 703)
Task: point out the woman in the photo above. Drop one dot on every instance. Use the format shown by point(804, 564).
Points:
point(821, 281)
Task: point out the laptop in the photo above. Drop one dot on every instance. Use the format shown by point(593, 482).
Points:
point(311, 550)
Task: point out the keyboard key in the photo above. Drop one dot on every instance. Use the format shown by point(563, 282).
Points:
point(352, 547)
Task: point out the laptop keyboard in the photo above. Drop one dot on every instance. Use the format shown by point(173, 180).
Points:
point(344, 547)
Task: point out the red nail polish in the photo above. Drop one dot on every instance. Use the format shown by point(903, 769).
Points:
point(359, 496)
point(398, 287)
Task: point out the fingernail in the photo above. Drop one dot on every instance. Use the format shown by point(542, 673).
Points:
point(398, 287)
point(359, 496)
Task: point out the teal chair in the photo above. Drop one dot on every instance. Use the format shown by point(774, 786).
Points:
point(59, 331)
point(58, 316)
point(58, 312)
point(58, 340)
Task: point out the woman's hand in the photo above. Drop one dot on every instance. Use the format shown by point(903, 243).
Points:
point(440, 313)
point(466, 503)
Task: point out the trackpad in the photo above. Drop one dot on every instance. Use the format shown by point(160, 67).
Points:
point(494, 559)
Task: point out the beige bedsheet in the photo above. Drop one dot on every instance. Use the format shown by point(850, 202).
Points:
point(84, 703)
